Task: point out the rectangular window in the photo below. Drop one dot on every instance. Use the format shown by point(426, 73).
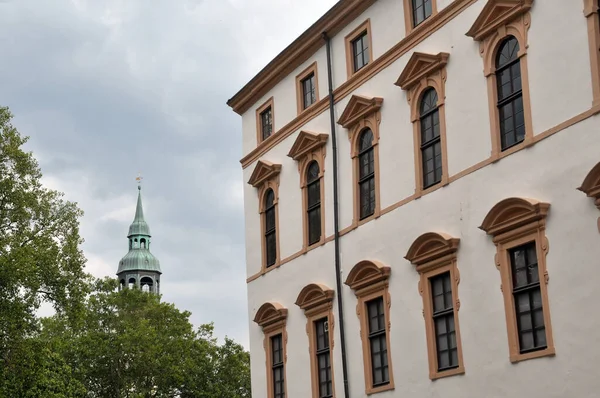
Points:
point(270, 236)
point(366, 183)
point(378, 342)
point(314, 211)
point(421, 10)
point(527, 298)
point(277, 366)
point(443, 320)
point(266, 122)
point(323, 358)
point(360, 51)
point(309, 96)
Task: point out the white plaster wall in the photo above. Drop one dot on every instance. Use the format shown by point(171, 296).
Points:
point(550, 171)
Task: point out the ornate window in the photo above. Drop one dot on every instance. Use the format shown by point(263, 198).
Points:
point(424, 79)
point(591, 187)
point(309, 151)
point(501, 29)
point(317, 302)
point(272, 318)
point(307, 88)
point(369, 280)
point(362, 117)
point(359, 48)
point(265, 177)
point(265, 121)
point(366, 174)
point(591, 10)
point(517, 226)
point(418, 11)
point(434, 256)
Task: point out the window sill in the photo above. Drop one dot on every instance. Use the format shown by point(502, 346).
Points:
point(448, 373)
point(375, 390)
point(308, 108)
point(550, 351)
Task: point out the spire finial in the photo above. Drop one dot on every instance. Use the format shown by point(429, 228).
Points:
point(139, 179)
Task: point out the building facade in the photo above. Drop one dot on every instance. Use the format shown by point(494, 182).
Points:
point(139, 268)
point(422, 207)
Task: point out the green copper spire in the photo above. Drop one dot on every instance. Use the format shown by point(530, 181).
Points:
point(139, 225)
point(139, 260)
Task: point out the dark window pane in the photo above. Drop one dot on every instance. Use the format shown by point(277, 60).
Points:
point(431, 154)
point(323, 358)
point(360, 51)
point(377, 341)
point(270, 228)
point(443, 320)
point(308, 91)
point(527, 297)
point(313, 192)
point(266, 120)
point(366, 174)
point(277, 366)
point(421, 10)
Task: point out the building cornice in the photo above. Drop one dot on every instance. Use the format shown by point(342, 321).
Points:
point(336, 19)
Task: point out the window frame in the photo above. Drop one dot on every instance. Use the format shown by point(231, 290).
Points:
point(493, 25)
point(370, 280)
point(409, 15)
point(272, 318)
point(259, 128)
point(317, 302)
point(434, 254)
point(300, 78)
point(422, 72)
point(591, 13)
point(268, 232)
point(514, 222)
point(307, 148)
point(369, 152)
point(264, 177)
point(362, 113)
point(314, 207)
point(349, 40)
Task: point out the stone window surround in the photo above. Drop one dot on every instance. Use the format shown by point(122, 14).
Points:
point(312, 69)
point(317, 302)
point(259, 135)
point(408, 16)
point(272, 317)
point(369, 280)
point(425, 71)
point(591, 187)
point(513, 222)
point(365, 26)
point(497, 20)
point(433, 254)
point(310, 146)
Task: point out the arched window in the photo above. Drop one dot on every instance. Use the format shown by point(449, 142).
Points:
point(510, 93)
point(313, 201)
point(270, 228)
point(431, 147)
point(143, 243)
point(366, 174)
point(122, 284)
point(131, 283)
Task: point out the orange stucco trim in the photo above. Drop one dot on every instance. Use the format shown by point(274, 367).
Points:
point(514, 222)
point(369, 280)
point(362, 28)
point(259, 133)
point(461, 174)
point(590, 11)
point(433, 254)
point(272, 317)
point(312, 69)
point(408, 16)
point(591, 187)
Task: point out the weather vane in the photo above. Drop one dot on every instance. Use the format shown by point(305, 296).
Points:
point(139, 179)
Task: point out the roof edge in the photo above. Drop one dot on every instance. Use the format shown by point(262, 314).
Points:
point(305, 45)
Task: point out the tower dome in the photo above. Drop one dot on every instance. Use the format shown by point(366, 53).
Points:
point(139, 268)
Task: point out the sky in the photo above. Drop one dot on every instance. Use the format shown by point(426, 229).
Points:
point(107, 89)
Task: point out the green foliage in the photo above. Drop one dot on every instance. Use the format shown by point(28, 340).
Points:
point(101, 343)
point(40, 259)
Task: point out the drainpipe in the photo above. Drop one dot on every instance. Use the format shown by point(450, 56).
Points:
point(336, 221)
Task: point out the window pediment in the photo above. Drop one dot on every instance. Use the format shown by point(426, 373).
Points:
point(358, 108)
point(431, 246)
point(591, 185)
point(512, 213)
point(270, 313)
point(314, 295)
point(420, 65)
point(306, 143)
point(497, 13)
point(263, 171)
point(366, 274)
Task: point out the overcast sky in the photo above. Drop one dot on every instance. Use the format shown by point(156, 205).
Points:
point(109, 88)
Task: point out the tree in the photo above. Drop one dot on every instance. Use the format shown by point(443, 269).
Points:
point(131, 344)
point(40, 259)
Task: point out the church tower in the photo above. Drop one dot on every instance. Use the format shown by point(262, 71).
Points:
point(139, 268)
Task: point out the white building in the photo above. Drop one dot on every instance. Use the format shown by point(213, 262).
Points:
point(457, 252)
